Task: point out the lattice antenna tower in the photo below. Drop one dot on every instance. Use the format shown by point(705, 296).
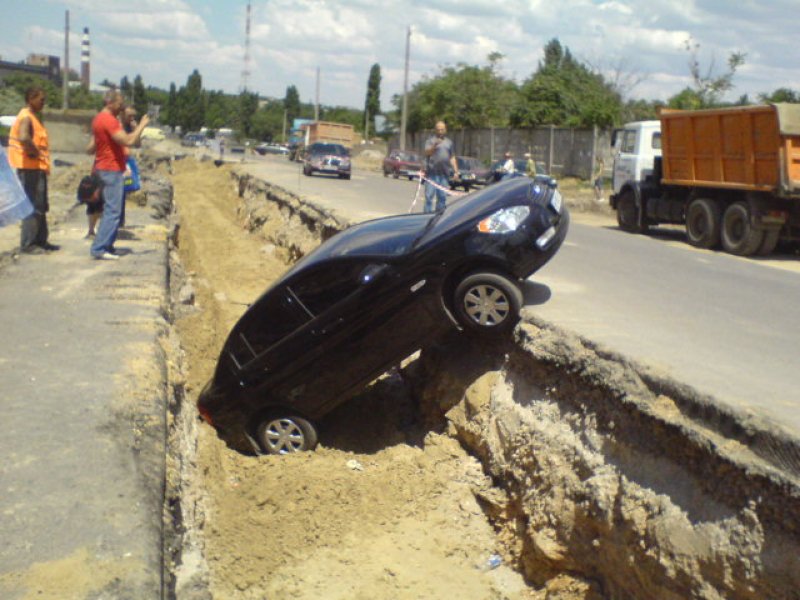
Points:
point(246, 70)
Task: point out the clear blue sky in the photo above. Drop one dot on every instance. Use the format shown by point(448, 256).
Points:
point(639, 41)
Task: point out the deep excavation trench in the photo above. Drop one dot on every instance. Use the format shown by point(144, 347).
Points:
point(589, 476)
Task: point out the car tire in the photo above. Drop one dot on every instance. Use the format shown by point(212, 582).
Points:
point(345, 176)
point(385, 173)
point(487, 303)
point(738, 234)
point(703, 223)
point(306, 172)
point(285, 434)
point(628, 216)
point(396, 175)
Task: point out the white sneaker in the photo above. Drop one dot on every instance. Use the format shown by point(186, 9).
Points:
point(106, 256)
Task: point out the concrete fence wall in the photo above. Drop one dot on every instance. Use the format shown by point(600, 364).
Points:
point(561, 152)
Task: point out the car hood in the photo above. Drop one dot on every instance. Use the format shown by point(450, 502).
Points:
point(473, 207)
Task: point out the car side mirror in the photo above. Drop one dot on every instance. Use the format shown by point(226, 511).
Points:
point(372, 273)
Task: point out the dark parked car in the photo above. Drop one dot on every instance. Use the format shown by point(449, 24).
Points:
point(369, 297)
point(402, 164)
point(496, 170)
point(331, 159)
point(472, 173)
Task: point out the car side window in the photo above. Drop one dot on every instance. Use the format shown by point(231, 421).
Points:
point(320, 289)
point(278, 314)
point(656, 144)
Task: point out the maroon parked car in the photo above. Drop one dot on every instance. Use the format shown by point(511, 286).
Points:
point(400, 163)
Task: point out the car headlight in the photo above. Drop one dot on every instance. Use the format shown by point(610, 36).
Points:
point(505, 220)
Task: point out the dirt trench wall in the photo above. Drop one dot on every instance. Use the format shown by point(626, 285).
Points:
point(599, 470)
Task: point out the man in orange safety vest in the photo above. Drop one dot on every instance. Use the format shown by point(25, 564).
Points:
point(29, 154)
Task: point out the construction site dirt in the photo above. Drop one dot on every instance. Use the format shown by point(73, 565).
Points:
point(540, 467)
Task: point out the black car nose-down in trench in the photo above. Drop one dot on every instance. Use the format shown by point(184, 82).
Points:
point(371, 296)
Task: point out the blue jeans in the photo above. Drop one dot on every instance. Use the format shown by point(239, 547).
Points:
point(431, 192)
point(112, 211)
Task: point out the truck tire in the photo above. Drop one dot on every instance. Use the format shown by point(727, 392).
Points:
point(628, 216)
point(738, 234)
point(767, 246)
point(703, 223)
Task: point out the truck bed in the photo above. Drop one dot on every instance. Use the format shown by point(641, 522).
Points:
point(748, 148)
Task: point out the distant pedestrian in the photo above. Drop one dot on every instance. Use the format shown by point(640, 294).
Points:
point(508, 169)
point(530, 166)
point(128, 120)
point(440, 159)
point(110, 140)
point(597, 179)
point(29, 154)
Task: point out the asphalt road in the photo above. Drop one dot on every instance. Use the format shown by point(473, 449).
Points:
point(727, 326)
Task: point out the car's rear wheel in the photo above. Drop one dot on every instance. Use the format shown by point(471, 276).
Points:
point(307, 171)
point(487, 303)
point(396, 174)
point(286, 434)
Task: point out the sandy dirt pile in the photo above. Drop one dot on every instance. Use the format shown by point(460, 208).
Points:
point(385, 508)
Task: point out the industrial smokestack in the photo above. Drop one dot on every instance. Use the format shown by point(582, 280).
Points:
point(85, 58)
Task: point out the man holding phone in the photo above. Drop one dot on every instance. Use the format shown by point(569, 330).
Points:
point(440, 158)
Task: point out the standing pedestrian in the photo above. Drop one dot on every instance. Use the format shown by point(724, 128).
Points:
point(597, 179)
point(110, 140)
point(128, 120)
point(440, 158)
point(530, 166)
point(29, 154)
point(508, 169)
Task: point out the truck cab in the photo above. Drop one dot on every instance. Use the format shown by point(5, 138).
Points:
point(636, 146)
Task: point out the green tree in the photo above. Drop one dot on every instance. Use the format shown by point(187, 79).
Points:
point(172, 114)
point(218, 110)
point(267, 123)
point(291, 103)
point(247, 107)
point(566, 93)
point(462, 96)
point(126, 89)
point(780, 95)
point(139, 95)
point(372, 104)
point(20, 82)
point(708, 86)
point(191, 103)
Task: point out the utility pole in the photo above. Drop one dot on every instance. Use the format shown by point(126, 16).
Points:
point(65, 70)
point(316, 102)
point(404, 114)
point(246, 69)
point(366, 125)
point(285, 113)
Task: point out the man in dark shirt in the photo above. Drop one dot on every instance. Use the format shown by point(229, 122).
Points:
point(440, 158)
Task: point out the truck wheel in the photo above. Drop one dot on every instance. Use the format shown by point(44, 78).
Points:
point(703, 223)
point(628, 213)
point(738, 234)
point(770, 241)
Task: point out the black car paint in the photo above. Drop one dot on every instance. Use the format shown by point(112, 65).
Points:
point(320, 333)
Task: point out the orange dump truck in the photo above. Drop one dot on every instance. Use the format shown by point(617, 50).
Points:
point(332, 133)
point(731, 176)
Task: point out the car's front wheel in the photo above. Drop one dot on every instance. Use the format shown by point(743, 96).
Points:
point(487, 303)
point(286, 434)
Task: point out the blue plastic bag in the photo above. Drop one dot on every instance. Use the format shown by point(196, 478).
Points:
point(132, 183)
point(14, 204)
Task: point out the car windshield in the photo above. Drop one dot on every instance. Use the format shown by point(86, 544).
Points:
point(336, 149)
point(411, 157)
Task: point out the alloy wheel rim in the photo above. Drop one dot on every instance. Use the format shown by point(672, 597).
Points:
point(284, 436)
point(486, 305)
